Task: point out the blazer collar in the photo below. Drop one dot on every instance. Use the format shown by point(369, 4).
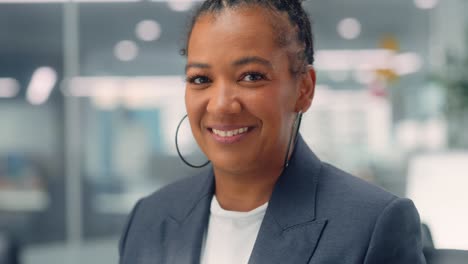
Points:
point(289, 232)
point(292, 201)
point(186, 225)
point(202, 187)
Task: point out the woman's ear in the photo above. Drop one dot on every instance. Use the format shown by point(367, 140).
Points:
point(306, 89)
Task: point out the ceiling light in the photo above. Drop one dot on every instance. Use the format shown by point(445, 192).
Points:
point(103, 1)
point(407, 63)
point(106, 97)
point(338, 76)
point(180, 6)
point(322, 87)
point(31, 1)
point(149, 86)
point(40, 87)
point(126, 50)
point(349, 28)
point(364, 77)
point(346, 60)
point(148, 30)
point(9, 87)
point(426, 4)
point(61, 1)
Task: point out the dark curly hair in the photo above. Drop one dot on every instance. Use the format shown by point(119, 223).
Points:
point(298, 17)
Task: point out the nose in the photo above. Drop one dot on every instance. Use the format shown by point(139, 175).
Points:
point(224, 100)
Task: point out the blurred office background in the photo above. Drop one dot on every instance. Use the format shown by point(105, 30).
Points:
point(91, 93)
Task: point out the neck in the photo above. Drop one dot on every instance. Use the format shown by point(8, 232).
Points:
point(244, 192)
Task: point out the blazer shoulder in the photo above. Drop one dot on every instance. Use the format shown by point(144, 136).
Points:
point(396, 237)
point(338, 186)
point(177, 198)
point(154, 210)
point(180, 192)
point(366, 222)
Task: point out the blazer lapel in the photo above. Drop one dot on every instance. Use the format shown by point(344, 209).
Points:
point(186, 227)
point(290, 231)
point(294, 245)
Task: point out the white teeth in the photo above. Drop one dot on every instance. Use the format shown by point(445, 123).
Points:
point(230, 133)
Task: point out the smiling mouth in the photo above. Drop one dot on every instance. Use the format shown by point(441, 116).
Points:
point(230, 133)
point(230, 136)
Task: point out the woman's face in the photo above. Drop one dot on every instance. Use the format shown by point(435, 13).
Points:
point(241, 97)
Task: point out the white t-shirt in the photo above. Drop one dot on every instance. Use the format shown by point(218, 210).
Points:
point(231, 235)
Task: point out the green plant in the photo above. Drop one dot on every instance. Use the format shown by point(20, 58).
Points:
point(454, 80)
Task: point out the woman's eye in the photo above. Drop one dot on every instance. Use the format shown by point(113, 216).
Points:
point(198, 79)
point(253, 77)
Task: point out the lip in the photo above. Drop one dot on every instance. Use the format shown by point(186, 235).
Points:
point(231, 139)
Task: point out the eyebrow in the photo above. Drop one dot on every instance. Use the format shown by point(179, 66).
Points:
point(252, 59)
point(239, 62)
point(197, 65)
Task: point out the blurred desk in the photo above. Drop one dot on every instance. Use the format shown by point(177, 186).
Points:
point(23, 200)
point(96, 251)
point(438, 185)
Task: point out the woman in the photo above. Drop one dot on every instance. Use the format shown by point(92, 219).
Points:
point(266, 198)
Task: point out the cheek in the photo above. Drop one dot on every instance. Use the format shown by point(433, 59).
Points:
point(188, 102)
point(194, 107)
point(271, 107)
point(278, 110)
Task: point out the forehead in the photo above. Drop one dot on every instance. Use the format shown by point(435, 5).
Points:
point(248, 29)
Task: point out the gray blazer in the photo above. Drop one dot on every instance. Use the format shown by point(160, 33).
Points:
point(317, 214)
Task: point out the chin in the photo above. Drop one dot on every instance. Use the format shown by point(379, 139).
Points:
point(232, 165)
